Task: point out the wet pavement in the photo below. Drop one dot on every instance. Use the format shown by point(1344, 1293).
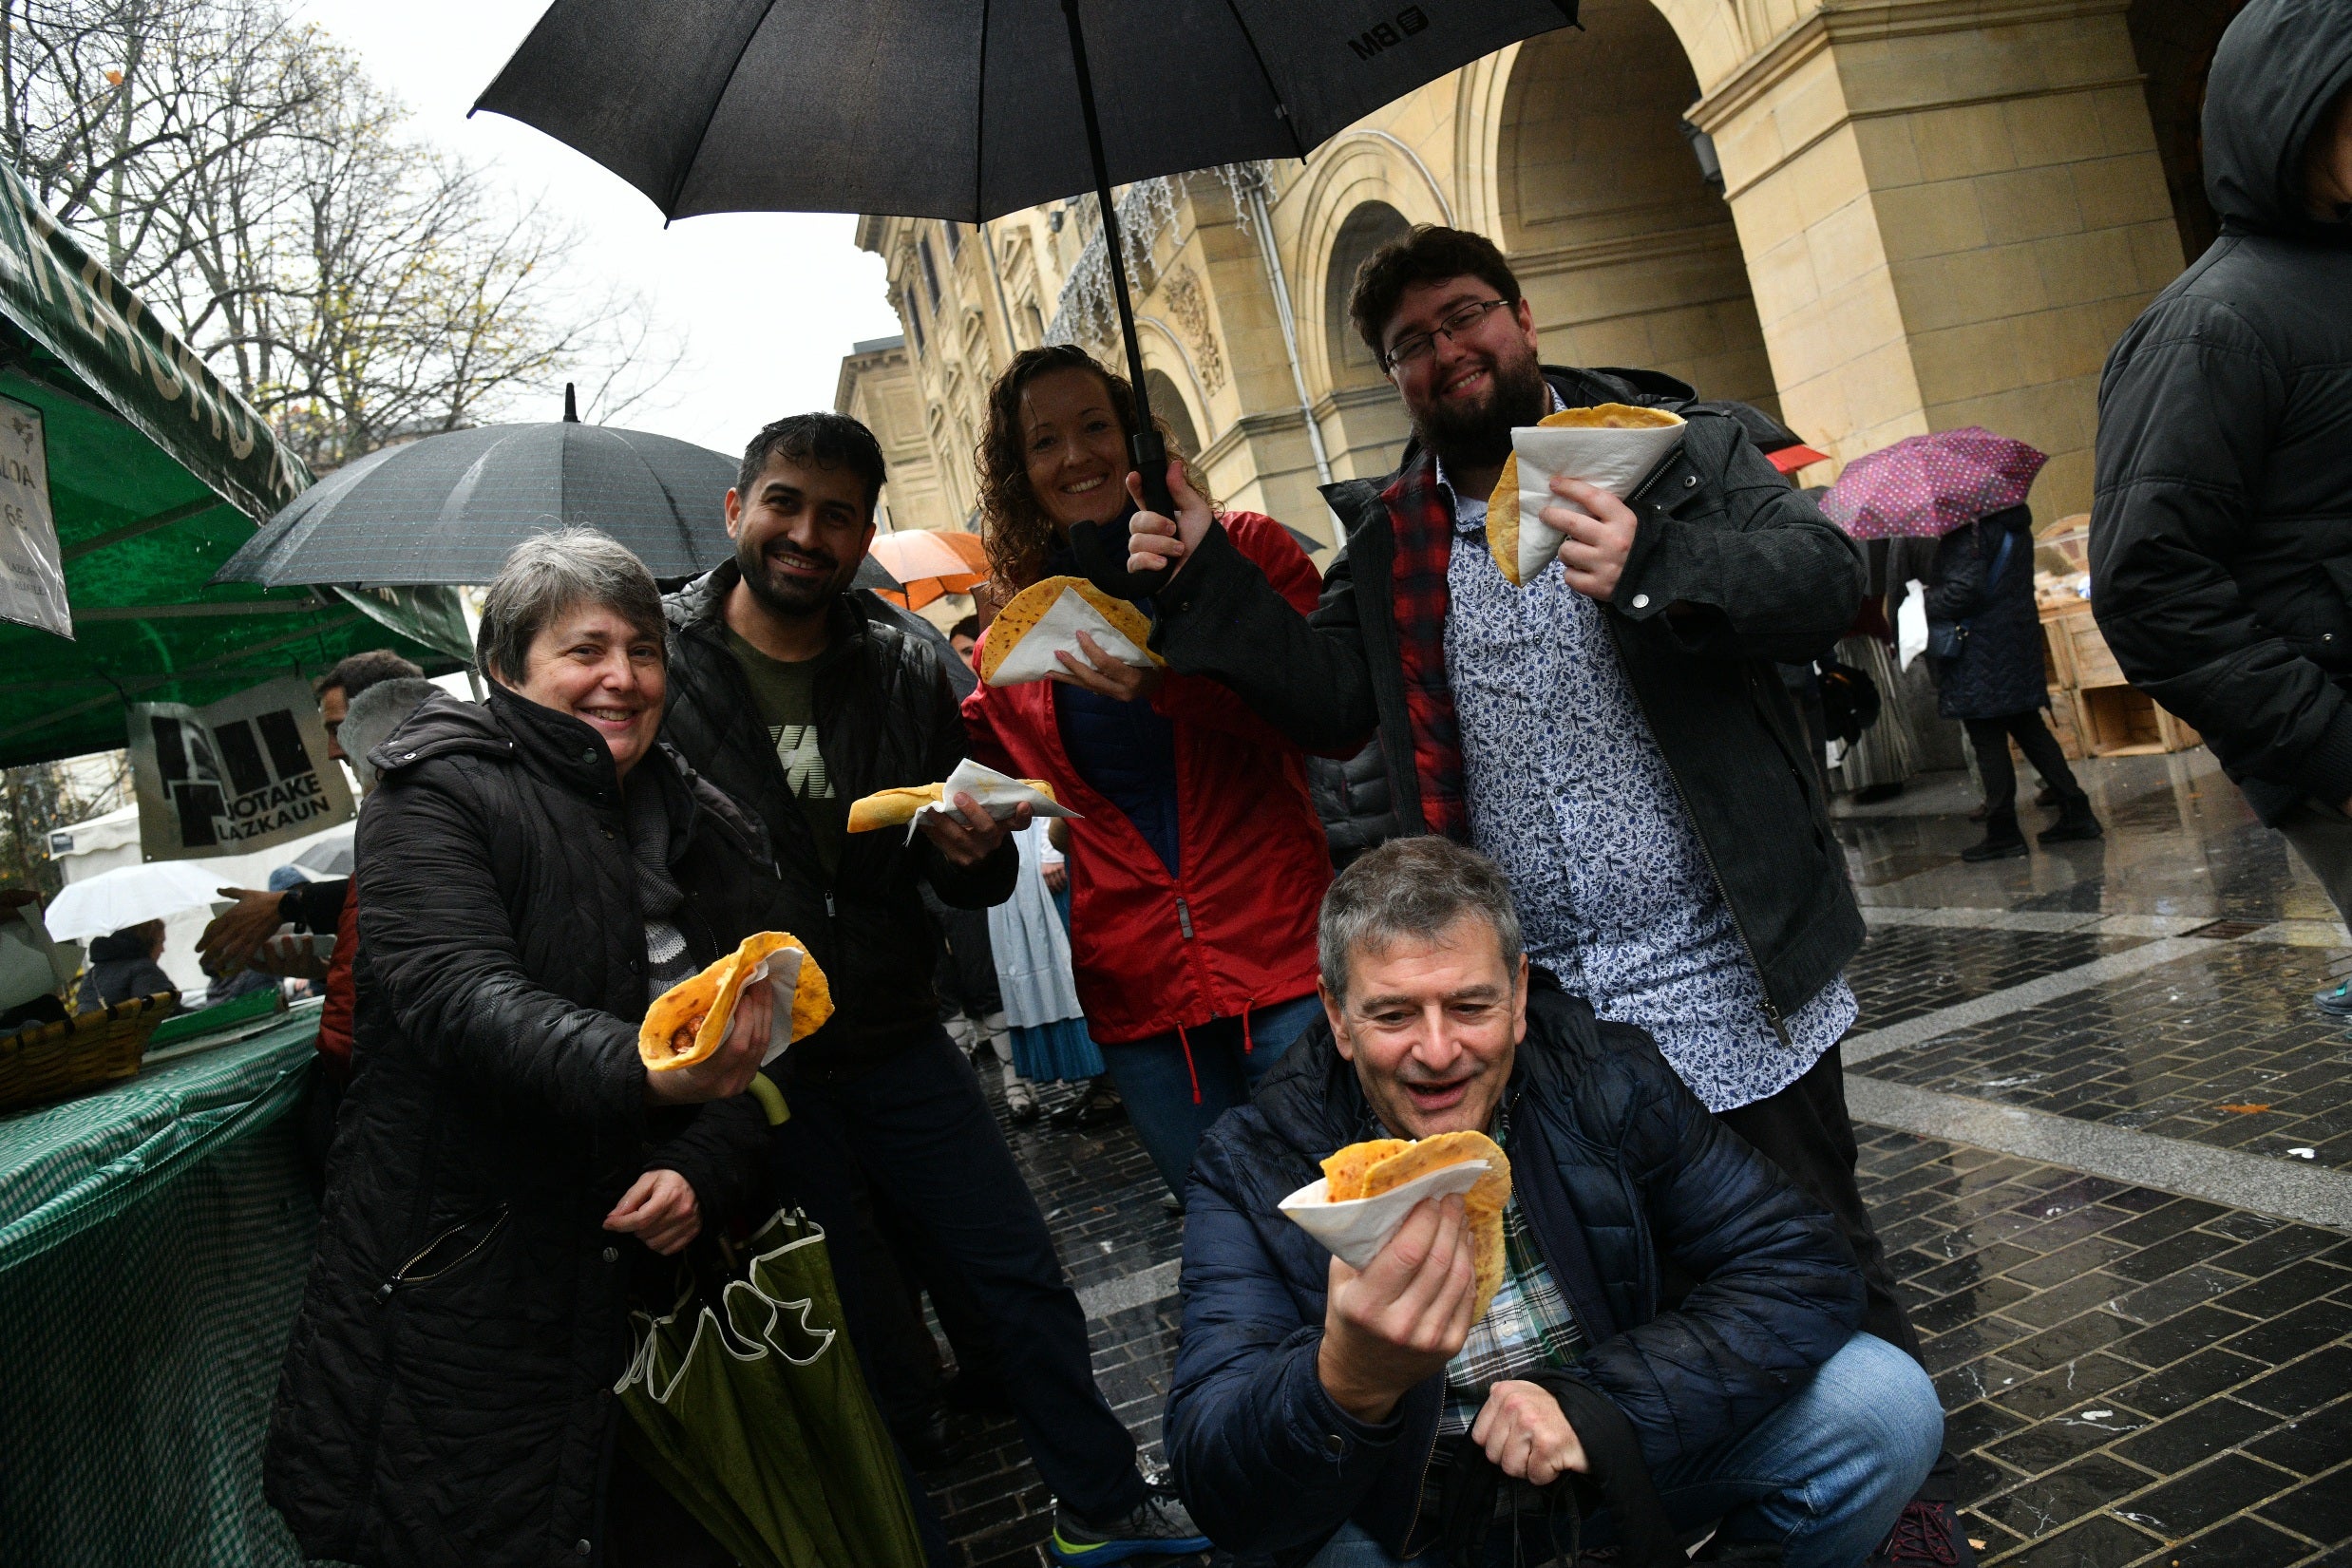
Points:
point(2150, 1364)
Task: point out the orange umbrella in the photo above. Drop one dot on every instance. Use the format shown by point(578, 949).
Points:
point(930, 562)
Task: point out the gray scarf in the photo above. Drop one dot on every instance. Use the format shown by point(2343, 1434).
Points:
point(667, 961)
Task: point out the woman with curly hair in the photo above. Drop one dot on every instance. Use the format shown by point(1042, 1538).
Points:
point(1198, 863)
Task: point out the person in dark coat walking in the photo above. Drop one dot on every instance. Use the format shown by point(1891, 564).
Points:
point(531, 872)
point(122, 965)
point(2221, 529)
point(1352, 1418)
point(1981, 586)
point(1612, 733)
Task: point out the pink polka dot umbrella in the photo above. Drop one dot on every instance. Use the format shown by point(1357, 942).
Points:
point(1924, 486)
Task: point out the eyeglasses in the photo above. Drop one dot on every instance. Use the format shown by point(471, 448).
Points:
point(1412, 351)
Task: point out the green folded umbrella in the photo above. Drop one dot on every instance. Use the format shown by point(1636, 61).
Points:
point(753, 1410)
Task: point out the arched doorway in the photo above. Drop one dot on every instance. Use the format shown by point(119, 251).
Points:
point(1372, 225)
point(2173, 42)
point(1167, 406)
point(1625, 252)
point(1364, 424)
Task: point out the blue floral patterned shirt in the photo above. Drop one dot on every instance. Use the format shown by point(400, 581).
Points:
point(1570, 795)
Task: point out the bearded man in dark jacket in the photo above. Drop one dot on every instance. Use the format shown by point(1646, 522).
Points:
point(792, 697)
point(2221, 530)
point(1612, 733)
point(1353, 1419)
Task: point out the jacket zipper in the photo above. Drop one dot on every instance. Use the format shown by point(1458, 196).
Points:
point(1771, 1011)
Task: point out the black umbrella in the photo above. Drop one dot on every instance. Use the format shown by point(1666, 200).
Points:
point(447, 508)
point(968, 108)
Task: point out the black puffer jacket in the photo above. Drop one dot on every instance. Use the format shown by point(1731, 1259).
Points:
point(1758, 575)
point(1615, 1165)
point(1998, 670)
point(2220, 532)
point(885, 718)
point(1352, 798)
point(445, 1396)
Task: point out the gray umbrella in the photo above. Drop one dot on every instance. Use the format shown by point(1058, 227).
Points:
point(968, 108)
point(447, 508)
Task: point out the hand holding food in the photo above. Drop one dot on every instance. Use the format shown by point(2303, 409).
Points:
point(971, 833)
point(1046, 617)
point(897, 807)
point(1383, 1164)
point(704, 1038)
point(1603, 454)
point(1403, 1316)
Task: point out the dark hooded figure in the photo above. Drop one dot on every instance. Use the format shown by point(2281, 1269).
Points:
point(2221, 535)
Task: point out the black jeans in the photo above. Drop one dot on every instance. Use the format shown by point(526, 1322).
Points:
point(1804, 1129)
point(918, 1129)
point(1991, 739)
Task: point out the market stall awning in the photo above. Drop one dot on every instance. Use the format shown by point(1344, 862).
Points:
point(157, 473)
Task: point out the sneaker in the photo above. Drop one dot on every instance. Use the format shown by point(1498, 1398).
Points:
point(1158, 1526)
point(2336, 1001)
point(1927, 1535)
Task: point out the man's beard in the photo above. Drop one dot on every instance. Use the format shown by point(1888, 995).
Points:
point(1479, 436)
point(788, 597)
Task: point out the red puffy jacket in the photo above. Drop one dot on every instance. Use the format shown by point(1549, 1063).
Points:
point(1235, 930)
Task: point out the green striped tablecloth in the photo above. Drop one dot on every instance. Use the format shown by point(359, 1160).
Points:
point(153, 1240)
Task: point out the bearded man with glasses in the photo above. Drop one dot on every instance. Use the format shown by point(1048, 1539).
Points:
point(1613, 733)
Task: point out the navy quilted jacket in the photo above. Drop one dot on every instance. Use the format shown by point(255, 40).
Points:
point(1614, 1162)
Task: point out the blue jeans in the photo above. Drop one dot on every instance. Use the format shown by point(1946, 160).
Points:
point(1158, 1083)
point(1824, 1475)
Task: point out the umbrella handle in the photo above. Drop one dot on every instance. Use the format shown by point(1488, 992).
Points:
point(1102, 552)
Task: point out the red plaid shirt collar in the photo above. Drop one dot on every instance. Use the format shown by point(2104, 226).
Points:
point(1421, 515)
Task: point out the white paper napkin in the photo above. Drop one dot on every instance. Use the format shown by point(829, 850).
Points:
point(1617, 461)
point(998, 792)
point(1032, 658)
point(1358, 1229)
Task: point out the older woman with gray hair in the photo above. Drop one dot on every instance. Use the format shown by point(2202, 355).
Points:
point(531, 872)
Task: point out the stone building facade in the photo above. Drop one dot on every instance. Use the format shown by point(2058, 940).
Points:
point(1875, 219)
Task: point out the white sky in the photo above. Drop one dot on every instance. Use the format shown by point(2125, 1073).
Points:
point(765, 303)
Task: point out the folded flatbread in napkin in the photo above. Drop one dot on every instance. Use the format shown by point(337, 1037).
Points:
point(689, 1022)
point(1367, 1190)
point(1046, 617)
point(1614, 445)
point(1001, 794)
point(890, 807)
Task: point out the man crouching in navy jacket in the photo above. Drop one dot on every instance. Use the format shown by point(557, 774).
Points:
point(1350, 1420)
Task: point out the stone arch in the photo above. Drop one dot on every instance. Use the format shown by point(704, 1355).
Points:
point(1370, 225)
point(1627, 255)
point(2173, 42)
point(1167, 405)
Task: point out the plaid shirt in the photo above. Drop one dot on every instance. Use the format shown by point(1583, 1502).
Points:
point(1530, 1325)
point(1421, 515)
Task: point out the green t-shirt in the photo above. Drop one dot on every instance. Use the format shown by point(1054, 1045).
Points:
point(786, 695)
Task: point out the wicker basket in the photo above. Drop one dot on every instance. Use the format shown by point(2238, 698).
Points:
point(45, 1062)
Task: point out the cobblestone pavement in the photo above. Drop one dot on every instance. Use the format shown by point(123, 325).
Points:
point(2106, 1137)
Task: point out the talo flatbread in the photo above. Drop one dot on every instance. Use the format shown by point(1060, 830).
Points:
point(1025, 608)
point(1483, 1205)
point(897, 807)
point(1503, 506)
point(688, 1023)
point(1344, 1173)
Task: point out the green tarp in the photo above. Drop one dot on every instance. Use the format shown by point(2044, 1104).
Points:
point(153, 1241)
point(157, 473)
